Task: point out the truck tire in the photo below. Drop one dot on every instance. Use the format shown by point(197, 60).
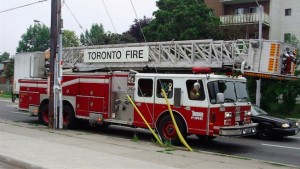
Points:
point(44, 114)
point(13, 97)
point(69, 119)
point(167, 130)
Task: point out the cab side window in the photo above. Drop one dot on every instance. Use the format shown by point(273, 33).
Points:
point(195, 89)
point(145, 87)
point(167, 85)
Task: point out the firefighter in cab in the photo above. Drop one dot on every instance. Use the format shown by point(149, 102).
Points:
point(195, 91)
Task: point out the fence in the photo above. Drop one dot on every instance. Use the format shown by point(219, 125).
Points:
point(6, 89)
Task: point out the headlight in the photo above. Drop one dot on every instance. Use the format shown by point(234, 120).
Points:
point(228, 115)
point(296, 124)
point(247, 113)
point(285, 125)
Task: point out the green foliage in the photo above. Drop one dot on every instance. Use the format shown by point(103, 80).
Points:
point(251, 87)
point(4, 56)
point(135, 138)
point(114, 38)
point(37, 38)
point(182, 20)
point(95, 36)
point(9, 70)
point(274, 88)
point(69, 39)
point(135, 29)
point(271, 89)
point(5, 95)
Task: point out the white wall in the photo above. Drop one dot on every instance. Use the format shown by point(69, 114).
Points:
point(281, 24)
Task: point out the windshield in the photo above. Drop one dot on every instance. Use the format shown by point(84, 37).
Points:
point(256, 111)
point(233, 91)
point(241, 92)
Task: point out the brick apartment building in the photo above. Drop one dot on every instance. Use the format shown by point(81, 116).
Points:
point(281, 18)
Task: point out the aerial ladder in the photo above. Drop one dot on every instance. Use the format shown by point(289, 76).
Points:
point(251, 57)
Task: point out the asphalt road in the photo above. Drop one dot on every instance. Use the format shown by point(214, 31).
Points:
point(286, 150)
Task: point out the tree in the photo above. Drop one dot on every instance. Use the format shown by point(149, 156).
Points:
point(182, 20)
point(9, 69)
point(4, 56)
point(37, 38)
point(290, 90)
point(114, 38)
point(69, 39)
point(135, 29)
point(95, 36)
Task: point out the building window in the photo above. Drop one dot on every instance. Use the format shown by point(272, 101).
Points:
point(240, 11)
point(288, 12)
point(253, 35)
point(253, 10)
point(287, 37)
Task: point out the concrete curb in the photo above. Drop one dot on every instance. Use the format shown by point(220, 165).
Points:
point(18, 163)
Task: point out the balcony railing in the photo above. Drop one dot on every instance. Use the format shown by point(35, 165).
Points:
point(244, 19)
point(239, 1)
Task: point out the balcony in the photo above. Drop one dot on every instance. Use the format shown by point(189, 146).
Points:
point(240, 1)
point(251, 18)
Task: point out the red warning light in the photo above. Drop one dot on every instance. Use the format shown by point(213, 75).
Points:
point(203, 70)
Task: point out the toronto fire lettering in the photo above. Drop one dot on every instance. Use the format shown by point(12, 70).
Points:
point(125, 54)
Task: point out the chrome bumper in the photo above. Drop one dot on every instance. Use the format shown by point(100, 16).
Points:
point(240, 130)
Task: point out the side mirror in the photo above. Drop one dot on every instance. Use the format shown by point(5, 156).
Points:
point(220, 98)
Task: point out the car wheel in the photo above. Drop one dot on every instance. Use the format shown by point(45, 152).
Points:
point(265, 132)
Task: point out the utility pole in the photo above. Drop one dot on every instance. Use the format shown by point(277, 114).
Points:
point(258, 82)
point(53, 50)
point(58, 73)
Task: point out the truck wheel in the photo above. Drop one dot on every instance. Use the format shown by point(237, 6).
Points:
point(44, 114)
point(265, 132)
point(13, 97)
point(167, 130)
point(69, 120)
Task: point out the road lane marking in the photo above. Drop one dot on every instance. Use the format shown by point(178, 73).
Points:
point(271, 145)
point(294, 137)
point(16, 112)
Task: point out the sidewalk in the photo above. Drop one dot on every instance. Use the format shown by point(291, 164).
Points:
point(28, 146)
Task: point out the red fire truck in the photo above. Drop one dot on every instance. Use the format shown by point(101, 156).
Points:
point(222, 107)
point(203, 103)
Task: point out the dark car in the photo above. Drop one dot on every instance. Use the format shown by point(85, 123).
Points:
point(272, 127)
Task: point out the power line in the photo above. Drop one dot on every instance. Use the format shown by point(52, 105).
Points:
point(87, 36)
point(109, 16)
point(138, 21)
point(22, 6)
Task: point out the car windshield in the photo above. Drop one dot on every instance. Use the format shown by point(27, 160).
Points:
point(256, 111)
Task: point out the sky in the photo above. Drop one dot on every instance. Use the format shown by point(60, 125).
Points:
point(14, 23)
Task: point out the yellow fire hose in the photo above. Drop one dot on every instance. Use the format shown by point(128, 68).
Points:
point(156, 137)
point(175, 124)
